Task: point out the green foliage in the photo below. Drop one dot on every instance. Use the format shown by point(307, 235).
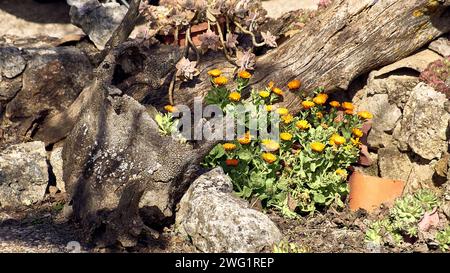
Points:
point(403, 217)
point(292, 176)
point(443, 239)
point(167, 124)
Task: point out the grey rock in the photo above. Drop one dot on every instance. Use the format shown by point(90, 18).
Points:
point(424, 123)
point(11, 62)
point(9, 88)
point(57, 166)
point(441, 46)
point(23, 174)
point(98, 21)
point(217, 221)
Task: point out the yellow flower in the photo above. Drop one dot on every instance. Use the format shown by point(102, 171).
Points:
point(348, 106)
point(335, 104)
point(215, 73)
point(269, 108)
point(365, 115)
point(264, 94)
point(270, 85)
point(278, 91)
point(294, 85)
point(286, 136)
point(319, 115)
point(356, 141)
point(270, 145)
point(170, 108)
point(282, 111)
point(317, 147)
point(342, 173)
point(337, 139)
point(246, 139)
point(302, 124)
point(244, 74)
point(357, 132)
point(269, 157)
point(221, 80)
point(229, 146)
point(234, 96)
point(308, 104)
point(287, 118)
point(320, 99)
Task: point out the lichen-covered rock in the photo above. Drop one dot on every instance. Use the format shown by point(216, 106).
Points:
point(11, 62)
point(217, 221)
point(425, 123)
point(97, 20)
point(23, 174)
point(56, 163)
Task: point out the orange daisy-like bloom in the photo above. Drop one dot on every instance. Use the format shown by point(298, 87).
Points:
point(348, 106)
point(308, 104)
point(234, 96)
point(264, 94)
point(294, 85)
point(229, 146)
point(335, 104)
point(282, 111)
point(269, 157)
point(170, 108)
point(365, 115)
point(357, 132)
point(271, 85)
point(320, 99)
point(302, 124)
point(221, 80)
point(215, 73)
point(269, 108)
point(286, 136)
point(287, 118)
point(232, 162)
point(319, 115)
point(337, 140)
point(277, 91)
point(244, 74)
point(270, 145)
point(246, 139)
point(317, 147)
point(349, 112)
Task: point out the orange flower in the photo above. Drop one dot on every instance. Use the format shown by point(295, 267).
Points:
point(277, 91)
point(320, 99)
point(232, 162)
point(286, 136)
point(287, 118)
point(215, 73)
point(234, 96)
point(337, 140)
point(365, 115)
point(349, 112)
point(319, 115)
point(348, 106)
point(229, 146)
point(221, 80)
point(317, 147)
point(357, 132)
point(294, 85)
point(170, 108)
point(269, 157)
point(244, 74)
point(302, 124)
point(246, 139)
point(308, 104)
point(270, 85)
point(335, 104)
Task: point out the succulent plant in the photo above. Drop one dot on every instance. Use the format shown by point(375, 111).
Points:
point(443, 239)
point(437, 75)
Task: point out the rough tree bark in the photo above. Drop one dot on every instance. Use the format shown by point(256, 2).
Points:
point(350, 38)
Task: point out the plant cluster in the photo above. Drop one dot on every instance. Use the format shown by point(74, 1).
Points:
point(305, 168)
point(286, 247)
point(443, 239)
point(437, 75)
point(403, 218)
